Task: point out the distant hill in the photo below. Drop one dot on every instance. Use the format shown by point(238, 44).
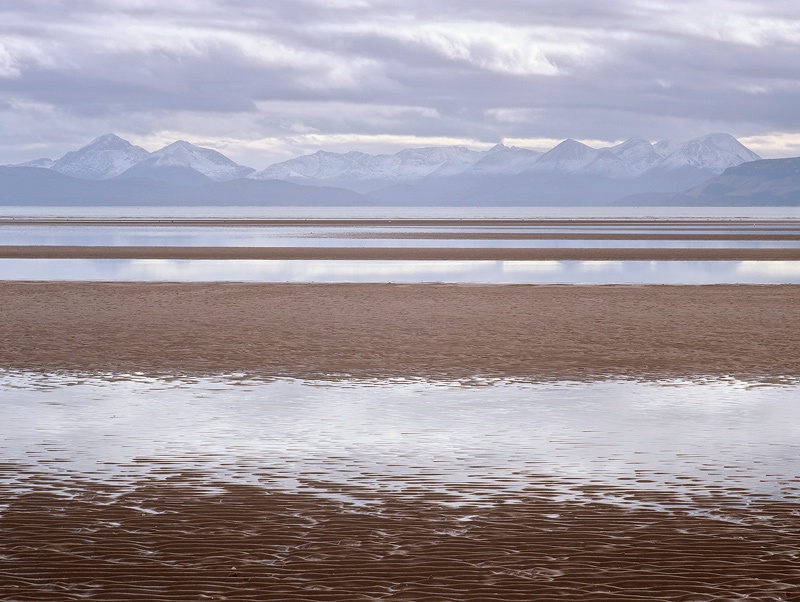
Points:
point(768, 182)
point(38, 186)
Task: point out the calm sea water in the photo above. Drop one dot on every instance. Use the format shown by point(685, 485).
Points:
point(779, 222)
point(468, 440)
point(407, 272)
point(408, 212)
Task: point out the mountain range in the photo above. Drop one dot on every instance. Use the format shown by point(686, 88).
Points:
point(110, 170)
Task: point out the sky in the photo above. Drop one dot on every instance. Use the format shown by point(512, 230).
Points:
point(264, 81)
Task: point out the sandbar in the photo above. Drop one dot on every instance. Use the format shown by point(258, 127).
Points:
point(387, 331)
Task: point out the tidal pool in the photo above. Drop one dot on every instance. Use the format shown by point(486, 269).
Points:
point(398, 271)
point(471, 440)
point(366, 235)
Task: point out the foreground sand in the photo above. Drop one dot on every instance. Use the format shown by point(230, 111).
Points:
point(381, 330)
point(178, 535)
point(173, 540)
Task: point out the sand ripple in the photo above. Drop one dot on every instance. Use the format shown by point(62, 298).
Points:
point(185, 537)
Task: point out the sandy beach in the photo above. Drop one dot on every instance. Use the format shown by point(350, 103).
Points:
point(180, 534)
point(245, 543)
point(381, 330)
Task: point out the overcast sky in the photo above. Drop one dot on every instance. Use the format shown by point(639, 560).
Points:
point(263, 81)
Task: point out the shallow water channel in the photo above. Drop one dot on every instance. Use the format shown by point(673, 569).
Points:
point(458, 272)
point(473, 441)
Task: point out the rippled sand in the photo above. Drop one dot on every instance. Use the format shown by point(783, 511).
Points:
point(107, 493)
point(374, 330)
point(137, 488)
point(173, 540)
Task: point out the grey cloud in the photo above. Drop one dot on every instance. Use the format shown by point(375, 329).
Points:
point(638, 68)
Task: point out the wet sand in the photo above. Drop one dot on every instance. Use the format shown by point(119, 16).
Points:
point(382, 331)
point(178, 539)
point(178, 535)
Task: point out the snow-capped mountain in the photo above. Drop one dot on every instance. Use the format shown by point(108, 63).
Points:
point(666, 147)
point(714, 153)
point(504, 160)
point(570, 156)
point(639, 154)
point(184, 155)
point(103, 158)
point(324, 165)
point(407, 165)
point(43, 163)
point(411, 164)
point(609, 165)
point(570, 173)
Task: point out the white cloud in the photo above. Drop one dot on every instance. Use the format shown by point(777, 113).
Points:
point(780, 144)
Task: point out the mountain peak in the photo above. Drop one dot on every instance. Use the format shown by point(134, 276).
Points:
point(570, 149)
point(182, 154)
point(638, 153)
point(109, 140)
point(712, 152)
point(183, 144)
point(504, 160)
point(568, 156)
point(101, 159)
point(718, 138)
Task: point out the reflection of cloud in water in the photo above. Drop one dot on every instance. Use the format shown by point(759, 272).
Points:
point(467, 272)
point(532, 267)
point(390, 269)
point(307, 271)
point(788, 269)
point(404, 433)
point(601, 266)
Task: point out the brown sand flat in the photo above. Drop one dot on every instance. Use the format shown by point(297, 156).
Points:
point(65, 537)
point(172, 540)
point(382, 330)
point(398, 253)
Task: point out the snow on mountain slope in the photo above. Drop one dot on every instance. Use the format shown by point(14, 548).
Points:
point(182, 154)
point(187, 164)
point(101, 159)
point(504, 160)
point(570, 156)
point(666, 147)
point(638, 153)
point(435, 161)
point(43, 163)
point(407, 165)
point(714, 153)
point(609, 165)
point(626, 161)
point(324, 165)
